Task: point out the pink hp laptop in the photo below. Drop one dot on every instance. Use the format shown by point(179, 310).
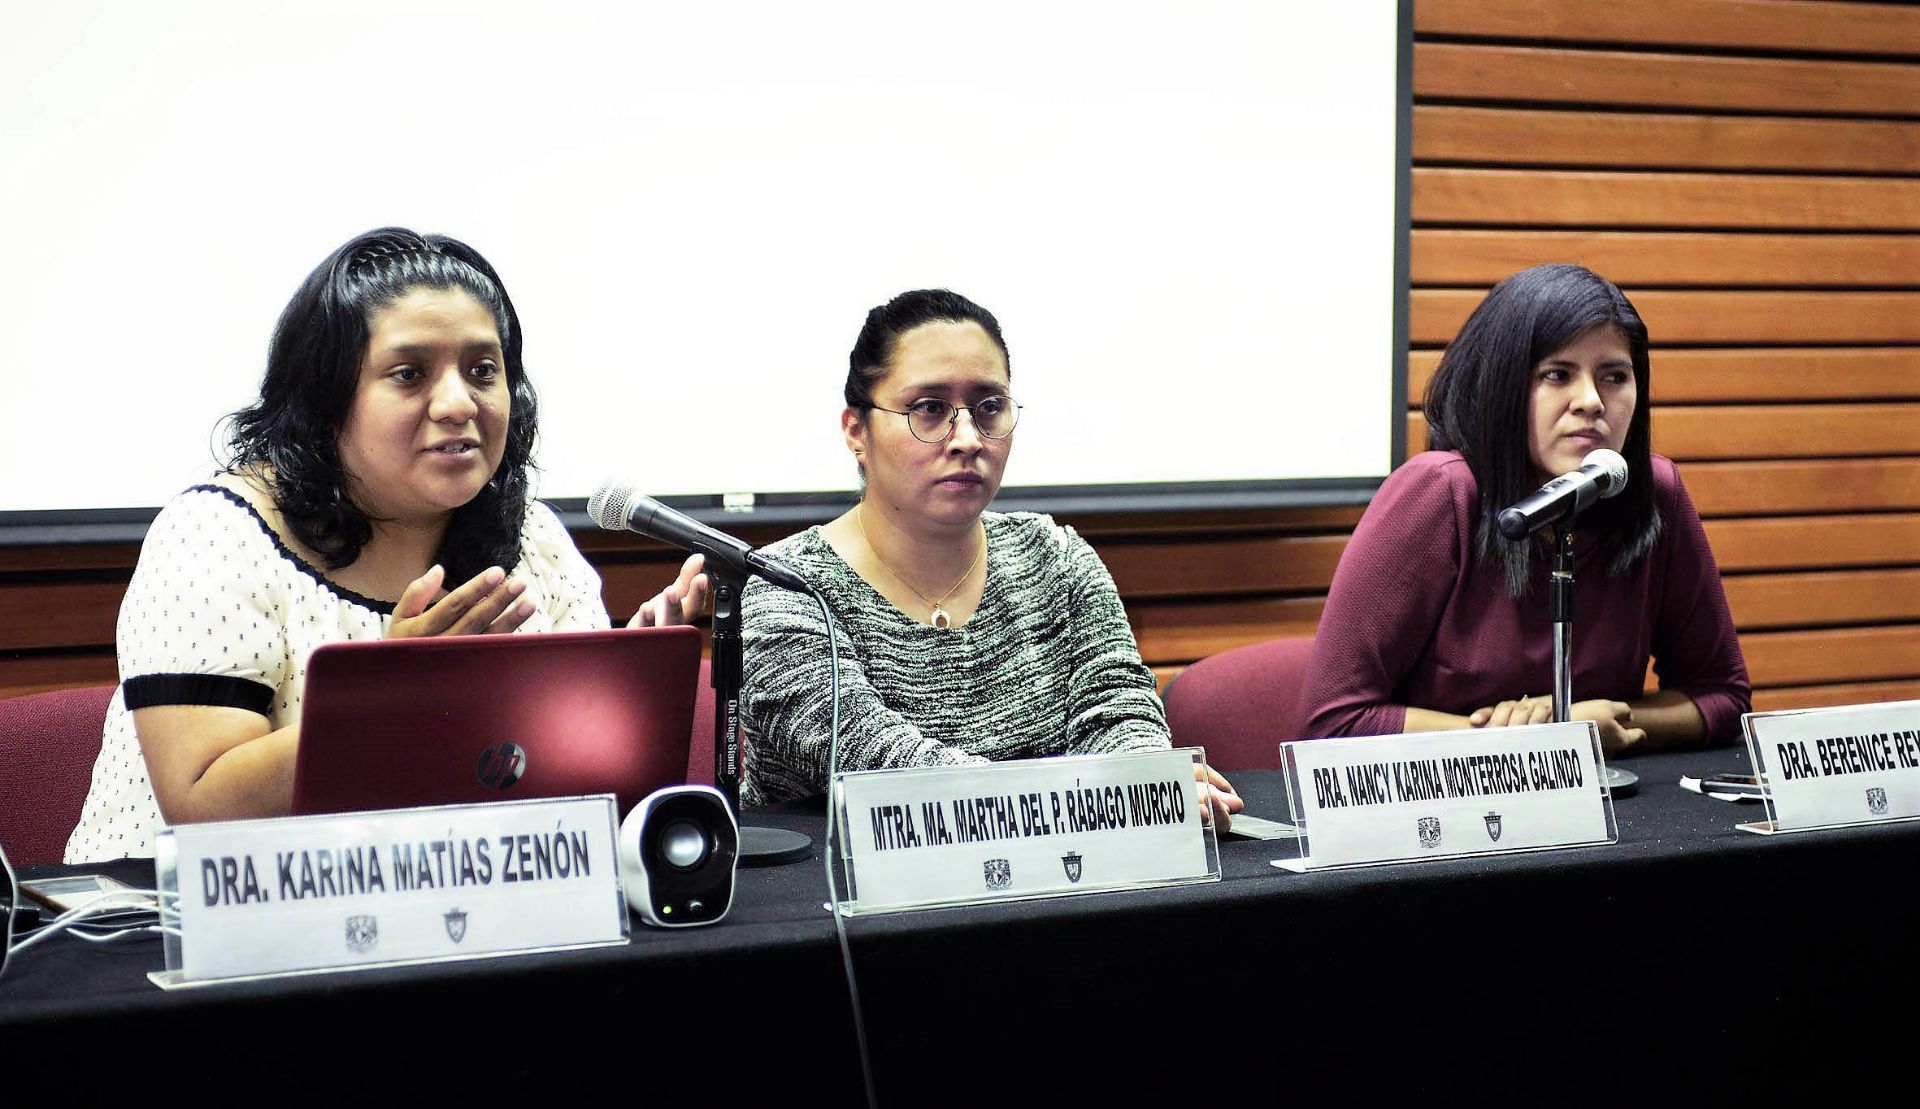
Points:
point(404, 722)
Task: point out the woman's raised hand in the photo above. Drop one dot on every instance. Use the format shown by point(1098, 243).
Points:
point(487, 605)
point(679, 603)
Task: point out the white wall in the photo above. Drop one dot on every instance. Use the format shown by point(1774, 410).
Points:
point(1181, 212)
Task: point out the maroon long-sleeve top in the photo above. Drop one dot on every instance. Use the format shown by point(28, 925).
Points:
point(1414, 618)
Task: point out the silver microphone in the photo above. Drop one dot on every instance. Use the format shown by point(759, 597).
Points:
point(620, 508)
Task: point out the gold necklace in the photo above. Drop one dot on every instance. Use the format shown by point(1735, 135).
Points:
point(939, 617)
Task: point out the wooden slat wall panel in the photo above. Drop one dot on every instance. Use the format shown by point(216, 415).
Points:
point(1813, 485)
point(1786, 374)
point(1755, 374)
point(1815, 542)
point(27, 560)
point(1684, 432)
point(1793, 25)
point(1655, 258)
point(1748, 169)
point(1548, 75)
point(24, 672)
point(1786, 430)
point(1824, 696)
point(1832, 656)
point(1196, 629)
point(1182, 525)
point(1717, 316)
point(1604, 199)
point(1460, 135)
point(59, 614)
point(1223, 566)
point(1762, 601)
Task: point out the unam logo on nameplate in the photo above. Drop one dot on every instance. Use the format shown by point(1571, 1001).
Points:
point(356, 889)
point(363, 934)
point(1527, 788)
point(928, 836)
point(1823, 768)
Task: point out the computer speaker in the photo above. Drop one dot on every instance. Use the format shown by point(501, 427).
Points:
point(678, 851)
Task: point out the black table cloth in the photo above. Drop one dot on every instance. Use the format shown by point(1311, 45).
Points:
point(1687, 958)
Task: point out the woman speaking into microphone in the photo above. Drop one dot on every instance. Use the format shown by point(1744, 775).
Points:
point(966, 635)
point(379, 488)
point(1436, 620)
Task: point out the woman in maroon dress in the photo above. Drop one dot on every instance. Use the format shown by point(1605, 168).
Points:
point(1435, 621)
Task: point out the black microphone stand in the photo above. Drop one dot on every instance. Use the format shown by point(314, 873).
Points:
point(1560, 601)
point(758, 846)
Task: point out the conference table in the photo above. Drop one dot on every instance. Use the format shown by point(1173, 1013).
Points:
point(1689, 958)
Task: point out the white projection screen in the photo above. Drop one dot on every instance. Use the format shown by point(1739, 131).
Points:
point(1189, 217)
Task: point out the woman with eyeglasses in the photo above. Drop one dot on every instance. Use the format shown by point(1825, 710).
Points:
point(967, 636)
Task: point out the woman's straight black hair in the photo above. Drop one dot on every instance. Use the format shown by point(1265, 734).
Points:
point(313, 368)
point(1478, 403)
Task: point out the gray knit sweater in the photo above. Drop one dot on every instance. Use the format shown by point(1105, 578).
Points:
point(1045, 666)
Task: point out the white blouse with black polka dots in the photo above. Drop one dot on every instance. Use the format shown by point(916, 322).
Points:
point(221, 612)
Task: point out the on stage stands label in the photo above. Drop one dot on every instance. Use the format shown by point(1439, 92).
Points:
point(956, 835)
point(1827, 767)
point(350, 889)
point(1445, 794)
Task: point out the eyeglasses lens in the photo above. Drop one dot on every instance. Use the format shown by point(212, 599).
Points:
point(993, 418)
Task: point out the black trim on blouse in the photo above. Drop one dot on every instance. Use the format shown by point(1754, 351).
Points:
point(384, 608)
point(149, 690)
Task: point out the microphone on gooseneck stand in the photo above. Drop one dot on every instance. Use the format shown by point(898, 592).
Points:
point(1602, 475)
point(729, 563)
point(618, 508)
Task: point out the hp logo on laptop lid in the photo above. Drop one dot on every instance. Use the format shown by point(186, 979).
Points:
point(501, 765)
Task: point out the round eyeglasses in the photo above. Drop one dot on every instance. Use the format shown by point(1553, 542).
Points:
point(932, 420)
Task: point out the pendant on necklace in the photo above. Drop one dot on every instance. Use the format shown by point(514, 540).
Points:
point(940, 618)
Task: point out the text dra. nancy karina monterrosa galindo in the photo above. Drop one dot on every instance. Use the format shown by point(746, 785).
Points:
point(1382, 783)
point(450, 862)
point(1023, 816)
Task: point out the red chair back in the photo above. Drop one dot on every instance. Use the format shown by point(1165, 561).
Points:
point(1241, 704)
point(48, 745)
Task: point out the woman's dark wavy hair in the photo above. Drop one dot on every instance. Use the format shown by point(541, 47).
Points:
point(872, 354)
point(1478, 403)
point(313, 369)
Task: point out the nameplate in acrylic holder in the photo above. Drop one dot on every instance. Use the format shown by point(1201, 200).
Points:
point(927, 836)
point(1443, 795)
point(346, 890)
point(1825, 768)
